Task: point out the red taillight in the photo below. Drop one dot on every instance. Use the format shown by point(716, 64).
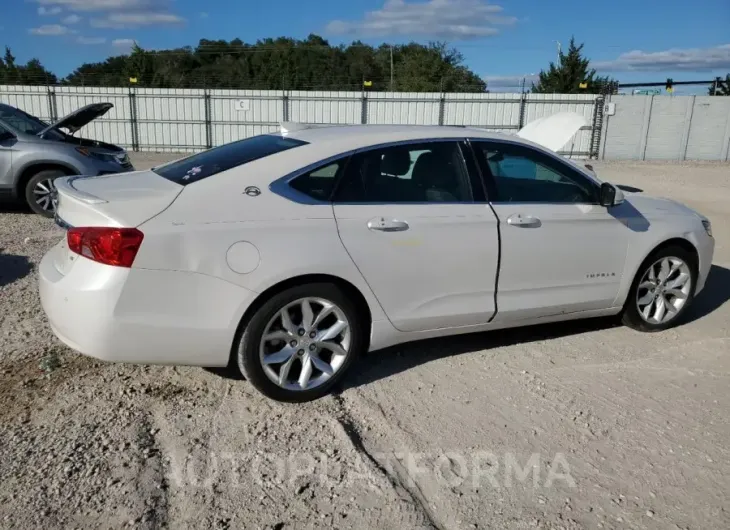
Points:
point(108, 245)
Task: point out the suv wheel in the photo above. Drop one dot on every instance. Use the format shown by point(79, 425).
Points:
point(39, 192)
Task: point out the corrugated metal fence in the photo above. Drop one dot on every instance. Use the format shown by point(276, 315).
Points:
point(144, 119)
point(147, 119)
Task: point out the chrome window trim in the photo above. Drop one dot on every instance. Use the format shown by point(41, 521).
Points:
point(282, 188)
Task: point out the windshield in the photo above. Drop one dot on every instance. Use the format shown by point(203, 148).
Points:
point(23, 122)
point(218, 159)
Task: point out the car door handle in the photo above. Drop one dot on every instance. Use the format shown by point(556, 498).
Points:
point(523, 221)
point(387, 225)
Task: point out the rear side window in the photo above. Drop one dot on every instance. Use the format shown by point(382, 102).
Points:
point(219, 159)
point(320, 182)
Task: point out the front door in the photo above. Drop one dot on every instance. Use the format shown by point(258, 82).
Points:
point(414, 220)
point(561, 251)
point(7, 141)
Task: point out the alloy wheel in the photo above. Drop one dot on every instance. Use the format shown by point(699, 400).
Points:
point(305, 344)
point(664, 290)
point(44, 194)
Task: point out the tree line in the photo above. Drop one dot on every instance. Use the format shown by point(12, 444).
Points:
point(310, 64)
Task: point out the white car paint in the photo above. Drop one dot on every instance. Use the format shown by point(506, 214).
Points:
point(553, 131)
point(210, 249)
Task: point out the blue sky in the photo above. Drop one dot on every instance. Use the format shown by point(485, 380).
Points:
point(502, 40)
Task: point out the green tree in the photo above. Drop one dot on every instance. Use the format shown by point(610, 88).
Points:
point(571, 71)
point(723, 87)
point(32, 73)
point(285, 63)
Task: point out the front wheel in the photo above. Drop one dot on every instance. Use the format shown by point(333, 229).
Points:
point(300, 342)
point(40, 192)
point(662, 290)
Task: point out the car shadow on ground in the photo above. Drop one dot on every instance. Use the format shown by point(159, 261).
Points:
point(10, 206)
point(13, 268)
point(390, 361)
point(714, 295)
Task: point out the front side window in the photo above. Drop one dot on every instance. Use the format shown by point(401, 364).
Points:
point(202, 165)
point(429, 172)
point(522, 174)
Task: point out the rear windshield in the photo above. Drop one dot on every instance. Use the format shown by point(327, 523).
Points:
point(218, 159)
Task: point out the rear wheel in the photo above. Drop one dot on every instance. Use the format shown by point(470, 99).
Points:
point(40, 192)
point(662, 290)
point(300, 342)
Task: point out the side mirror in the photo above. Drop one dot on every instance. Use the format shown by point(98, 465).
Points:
point(610, 195)
point(6, 135)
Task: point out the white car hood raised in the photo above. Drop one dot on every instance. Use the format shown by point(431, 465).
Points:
point(553, 131)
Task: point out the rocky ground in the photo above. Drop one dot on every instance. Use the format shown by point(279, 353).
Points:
point(581, 425)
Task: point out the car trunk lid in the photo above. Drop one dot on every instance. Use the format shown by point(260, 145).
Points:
point(124, 199)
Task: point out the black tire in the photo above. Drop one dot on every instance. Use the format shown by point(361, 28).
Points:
point(630, 315)
point(245, 351)
point(46, 174)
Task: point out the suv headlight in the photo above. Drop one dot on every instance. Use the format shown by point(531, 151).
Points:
point(708, 226)
point(98, 156)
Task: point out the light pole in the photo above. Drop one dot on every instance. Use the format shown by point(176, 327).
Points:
point(559, 50)
point(524, 78)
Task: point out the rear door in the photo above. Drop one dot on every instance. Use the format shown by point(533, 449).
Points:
point(416, 223)
point(562, 252)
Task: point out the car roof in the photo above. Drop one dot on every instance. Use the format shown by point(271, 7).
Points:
point(347, 137)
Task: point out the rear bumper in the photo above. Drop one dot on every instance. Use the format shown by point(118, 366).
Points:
point(141, 316)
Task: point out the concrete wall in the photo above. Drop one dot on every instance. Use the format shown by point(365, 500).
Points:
point(667, 128)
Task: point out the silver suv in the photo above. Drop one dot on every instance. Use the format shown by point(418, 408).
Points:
point(33, 154)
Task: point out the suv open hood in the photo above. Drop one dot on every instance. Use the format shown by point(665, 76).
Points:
point(80, 117)
point(553, 131)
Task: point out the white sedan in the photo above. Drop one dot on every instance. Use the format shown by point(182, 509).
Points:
point(287, 255)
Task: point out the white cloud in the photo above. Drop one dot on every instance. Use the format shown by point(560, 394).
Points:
point(51, 30)
point(71, 19)
point(135, 20)
point(448, 19)
point(124, 45)
point(48, 11)
point(107, 5)
point(119, 14)
point(91, 40)
point(687, 59)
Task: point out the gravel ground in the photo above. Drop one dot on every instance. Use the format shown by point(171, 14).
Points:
point(580, 425)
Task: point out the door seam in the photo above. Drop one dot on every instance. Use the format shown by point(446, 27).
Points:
point(364, 279)
point(499, 264)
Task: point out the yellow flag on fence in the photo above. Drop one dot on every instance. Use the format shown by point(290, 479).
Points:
point(583, 85)
point(367, 83)
point(132, 79)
